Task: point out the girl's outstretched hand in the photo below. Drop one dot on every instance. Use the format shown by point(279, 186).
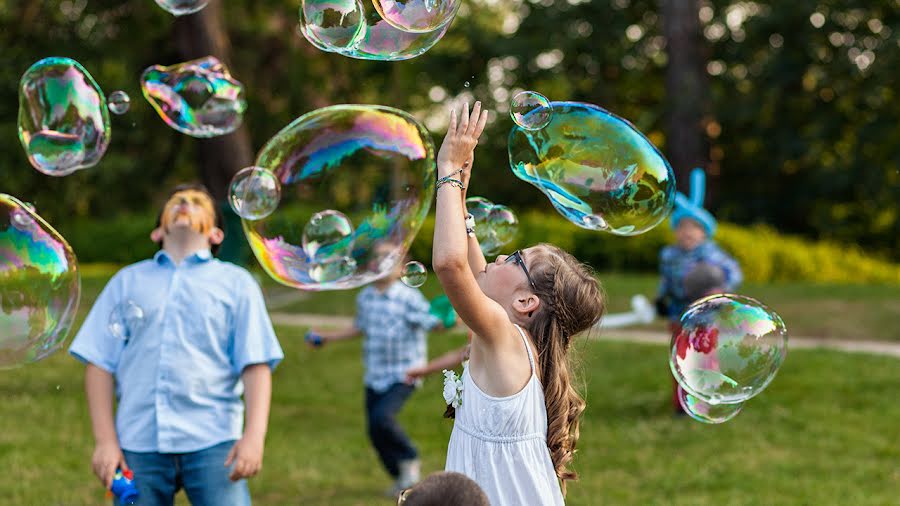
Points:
point(461, 139)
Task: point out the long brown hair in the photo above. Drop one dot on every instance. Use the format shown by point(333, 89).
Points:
point(572, 301)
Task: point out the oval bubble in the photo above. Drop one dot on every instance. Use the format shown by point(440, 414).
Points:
point(40, 285)
point(728, 349)
point(417, 16)
point(495, 225)
point(327, 235)
point(530, 110)
point(119, 102)
point(254, 193)
point(332, 24)
point(198, 98)
point(372, 164)
point(182, 7)
point(126, 320)
point(705, 412)
point(589, 162)
point(414, 274)
point(63, 121)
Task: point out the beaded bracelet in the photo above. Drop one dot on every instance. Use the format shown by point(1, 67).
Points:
point(449, 179)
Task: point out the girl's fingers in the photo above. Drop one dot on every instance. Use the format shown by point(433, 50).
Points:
point(479, 127)
point(452, 127)
point(473, 119)
point(464, 120)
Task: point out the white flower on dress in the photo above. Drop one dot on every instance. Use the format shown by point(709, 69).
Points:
point(453, 387)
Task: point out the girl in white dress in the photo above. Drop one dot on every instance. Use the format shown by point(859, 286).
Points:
point(516, 410)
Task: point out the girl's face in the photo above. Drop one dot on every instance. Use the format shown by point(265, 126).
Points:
point(507, 275)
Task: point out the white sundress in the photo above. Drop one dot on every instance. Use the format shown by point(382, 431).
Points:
point(501, 443)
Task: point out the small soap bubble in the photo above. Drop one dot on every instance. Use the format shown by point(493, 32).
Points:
point(598, 171)
point(254, 193)
point(332, 270)
point(119, 102)
point(63, 121)
point(39, 285)
point(328, 234)
point(531, 110)
point(182, 7)
point(414, 274)
point(495, 225)
point(198, 98)
point(332, 24)
point(126, 320)
point(466, 84)
point(728, 349)
point(706, 412)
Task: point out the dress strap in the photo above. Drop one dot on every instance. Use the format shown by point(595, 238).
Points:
point(527, 348)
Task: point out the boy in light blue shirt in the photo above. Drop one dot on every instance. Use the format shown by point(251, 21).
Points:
point(179, 371)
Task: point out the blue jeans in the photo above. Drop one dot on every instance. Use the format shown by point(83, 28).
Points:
point(388, 438)
point(202, 475)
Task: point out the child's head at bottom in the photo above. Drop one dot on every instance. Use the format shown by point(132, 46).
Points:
point(555, 297)
point(445, 489)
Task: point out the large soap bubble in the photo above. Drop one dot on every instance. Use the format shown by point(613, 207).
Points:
point(373, 38)
point(197, 98)
point(182, 7)
point(63, 121)
point(705, 412)
point(596, 168)
point(495, 225)
point(728, 349)
point(374, 166)
point(417, 16)
point(39, 285)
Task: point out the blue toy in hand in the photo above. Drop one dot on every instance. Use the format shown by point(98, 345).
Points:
point(123, 487)
point(441, 308)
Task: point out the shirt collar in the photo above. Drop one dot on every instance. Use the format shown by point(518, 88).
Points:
point(200, 256)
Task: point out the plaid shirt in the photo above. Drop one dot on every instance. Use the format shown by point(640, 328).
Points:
point(395, 323)
point(675, 263)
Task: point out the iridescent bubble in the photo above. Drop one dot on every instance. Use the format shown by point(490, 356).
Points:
point(40, 286)
point(530, 110)
point(332, 24)
point(254, 193)
point(327, 235)
point(495, 225)
point(596, 168)
point(63, 121)
point(705, 412)
point(126, 320)
point(376, 40)
point(374, 166)
point(197, 98)
point(417, 16)
point(119, 102)
point(414, 274)
point(728, 349)
point(182, 7)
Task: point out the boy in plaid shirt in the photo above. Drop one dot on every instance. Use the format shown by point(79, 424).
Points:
point(394, 320)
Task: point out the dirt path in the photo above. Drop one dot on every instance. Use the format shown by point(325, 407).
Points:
point(640, 336)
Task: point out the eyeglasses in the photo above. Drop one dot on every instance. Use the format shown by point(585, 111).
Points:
point(516, 257)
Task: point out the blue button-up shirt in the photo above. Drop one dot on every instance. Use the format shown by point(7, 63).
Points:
point(394, 323)
point(178, 375)
point(675, 263)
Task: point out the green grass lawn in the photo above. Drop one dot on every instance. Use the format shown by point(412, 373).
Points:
point(824, 432)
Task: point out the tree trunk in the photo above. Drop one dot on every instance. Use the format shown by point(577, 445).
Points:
point(218, 158)
point(687, 91)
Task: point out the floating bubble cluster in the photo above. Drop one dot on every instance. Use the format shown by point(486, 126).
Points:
point(254, 193)
point(119, 102)
point(126, 320)
point(63, 121)
point(355, 28)
point(414, 274)
point(39, 285)
point(705, 412)
point(495, 225)
point(357, 182)
point(728, 349)
point(597, 170)
point(530, 110)
point(197, 98)
point(182, 7)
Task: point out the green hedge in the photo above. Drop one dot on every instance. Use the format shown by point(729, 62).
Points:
point(764, 254)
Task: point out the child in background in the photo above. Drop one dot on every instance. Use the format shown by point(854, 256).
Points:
point(694, 230)
point(518, 412)
point(394, 319)
point(444, 489)
point(205, 339)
